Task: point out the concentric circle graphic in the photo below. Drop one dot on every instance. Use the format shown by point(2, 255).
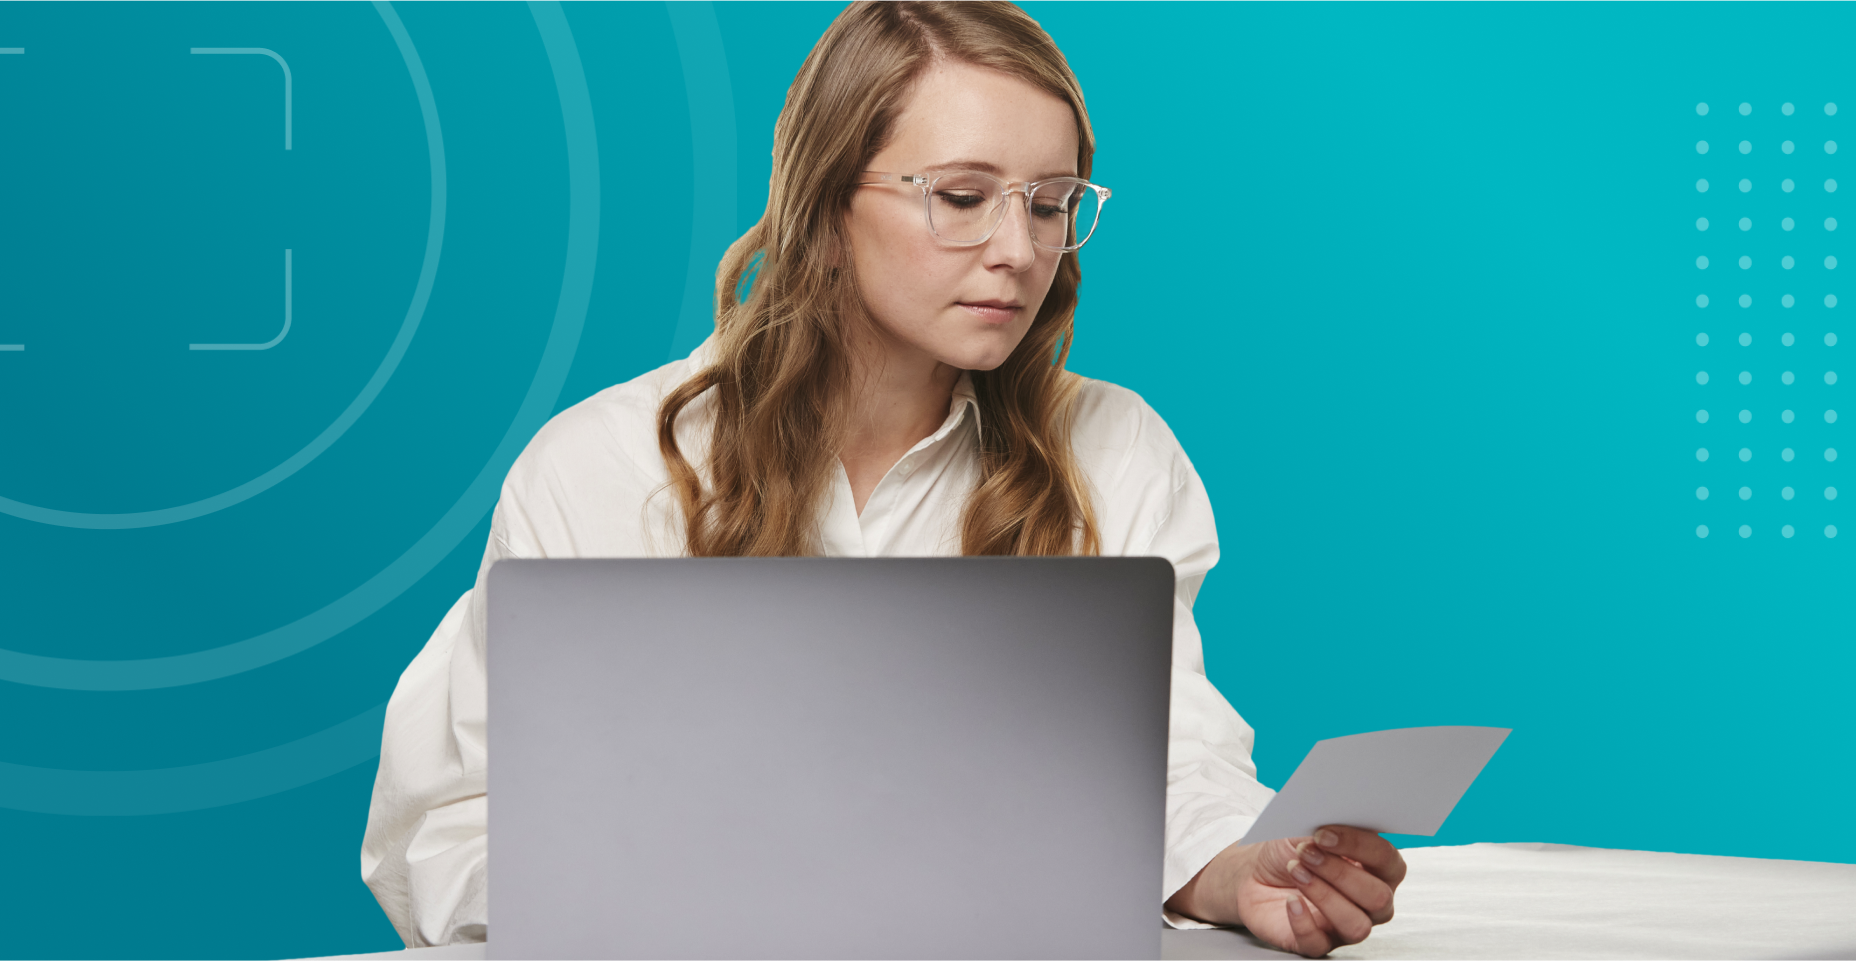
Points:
point(422, 295)
point(480, 496)
point(353, 741)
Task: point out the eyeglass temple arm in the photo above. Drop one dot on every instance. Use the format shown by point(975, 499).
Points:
point(887, 178)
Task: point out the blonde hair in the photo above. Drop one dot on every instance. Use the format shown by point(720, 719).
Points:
point(782, 359)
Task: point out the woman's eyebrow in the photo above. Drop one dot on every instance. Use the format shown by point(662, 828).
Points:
point(987, 167)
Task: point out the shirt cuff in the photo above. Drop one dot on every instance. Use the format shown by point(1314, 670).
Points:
point(1187, 860)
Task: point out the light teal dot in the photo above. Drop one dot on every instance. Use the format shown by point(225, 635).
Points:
point(1746, 493)
point(1786, 416)
point(1701, 263)
point(1746, 377)
point(1701, 109)
point(1745, 262)
point(1786, 531)
point(1830, 263)
point(1746, 531)
point(1701, 300)
point(1786, 338)
point(1786, 147)
point(1701, 185)
point(1746, 417)
point(1746, 223)
point(1746, 300)
point(1787, 185)
point(1701, 454)
point(1701, 223)
point(1701, 340)
point(1701, 377)
point(1830, 110)
point(1786, 262)
point(1701, 530)
point(1786, 109)
point(1786, 378)
point(1701, 417)
point(1786, 492)
point(1830, 146)
point(1830, 340)
point(1701, 493)
point(1746, 454)
point(1786, 455)
point(1830, 377)
point(1701, 146)
point(1746, 339)
point(1745, 109)
point(1746, 147)
point(1830, 417)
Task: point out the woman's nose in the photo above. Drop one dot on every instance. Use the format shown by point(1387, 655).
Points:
point(1011, 243)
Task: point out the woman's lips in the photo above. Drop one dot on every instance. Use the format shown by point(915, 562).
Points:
point(993, 313)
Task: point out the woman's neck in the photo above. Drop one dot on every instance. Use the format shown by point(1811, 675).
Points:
point(900, 395)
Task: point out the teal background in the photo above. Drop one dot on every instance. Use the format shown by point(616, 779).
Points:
point(1433, 351)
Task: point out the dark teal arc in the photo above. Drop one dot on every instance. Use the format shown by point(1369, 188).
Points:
point(712, 142)
point(357, 739)
point(195, 786)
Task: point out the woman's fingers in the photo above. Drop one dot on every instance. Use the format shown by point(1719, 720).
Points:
point(1310, 940)
point(1346, 920)
point(1350, 878)
point(1343, 881)
point(1375, 854)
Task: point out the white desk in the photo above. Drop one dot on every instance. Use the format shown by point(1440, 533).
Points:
point(1559, 901)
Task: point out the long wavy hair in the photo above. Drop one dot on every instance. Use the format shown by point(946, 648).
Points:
point(782, 365)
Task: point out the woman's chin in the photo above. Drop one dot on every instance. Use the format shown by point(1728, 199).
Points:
point(978, 360)
point(986, 351)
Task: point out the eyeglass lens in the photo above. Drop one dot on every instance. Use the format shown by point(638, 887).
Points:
point(963, 208)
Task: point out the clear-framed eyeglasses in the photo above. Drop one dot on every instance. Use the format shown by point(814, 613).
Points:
point(965, 207)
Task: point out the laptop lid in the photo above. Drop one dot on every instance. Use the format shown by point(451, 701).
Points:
point(828, 757)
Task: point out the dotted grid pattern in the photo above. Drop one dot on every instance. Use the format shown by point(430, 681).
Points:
point(1766, 385)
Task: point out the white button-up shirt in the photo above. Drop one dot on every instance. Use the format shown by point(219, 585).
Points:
point(592, 484)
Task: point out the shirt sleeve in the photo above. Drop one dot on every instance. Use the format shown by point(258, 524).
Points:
point(1212, 792)
point(574, 492)
point(426, 849)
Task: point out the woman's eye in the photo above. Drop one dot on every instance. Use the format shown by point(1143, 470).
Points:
point(963, 199)
point(1047, 211)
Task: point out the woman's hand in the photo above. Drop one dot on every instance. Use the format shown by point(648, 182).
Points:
point(1307, 895)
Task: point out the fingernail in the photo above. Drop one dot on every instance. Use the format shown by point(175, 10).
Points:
point(1301, 876)
point(1327, 839)
point(1312, 856)
point(1295, 906)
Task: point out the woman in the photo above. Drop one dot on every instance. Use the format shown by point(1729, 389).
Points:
point(886, 378)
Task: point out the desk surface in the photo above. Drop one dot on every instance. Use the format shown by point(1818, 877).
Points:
point(1559, 901)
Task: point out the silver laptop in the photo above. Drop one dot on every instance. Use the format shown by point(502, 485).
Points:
point(828, 758)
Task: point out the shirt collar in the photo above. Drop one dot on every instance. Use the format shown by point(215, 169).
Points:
point(964, 398)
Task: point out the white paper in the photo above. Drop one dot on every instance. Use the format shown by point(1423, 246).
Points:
point(1404, 781)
